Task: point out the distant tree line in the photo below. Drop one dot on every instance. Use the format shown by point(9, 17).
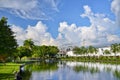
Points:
point(114, 48)
point(84, 50)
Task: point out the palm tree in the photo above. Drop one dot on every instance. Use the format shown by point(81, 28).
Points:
point(80, 50)
point(83, 50)
point(92, 49)
point(76, 50)
point(114, 48)
point(28, 43)
point(96, 50)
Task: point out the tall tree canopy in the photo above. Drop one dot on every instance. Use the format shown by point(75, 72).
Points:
point(80, 50)
point(23, 51)
point(28, 43)
point(84, 50)
point(45, 51)
point(115, 48)
point(8, 43)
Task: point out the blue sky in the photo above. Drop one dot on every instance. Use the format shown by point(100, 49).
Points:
point(92, 22)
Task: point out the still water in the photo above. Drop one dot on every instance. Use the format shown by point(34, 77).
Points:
point(73, 71)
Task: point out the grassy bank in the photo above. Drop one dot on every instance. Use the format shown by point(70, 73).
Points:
point(103, 59)
point(7, 70)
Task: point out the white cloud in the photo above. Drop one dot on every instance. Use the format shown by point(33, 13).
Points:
point(68, 33)
point(37, 33)
point(115, 7)
point(113, 38)
point(19, 33)
point(30, 9)
point(102, 31)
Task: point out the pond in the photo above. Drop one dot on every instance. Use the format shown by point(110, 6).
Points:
point(73, 71)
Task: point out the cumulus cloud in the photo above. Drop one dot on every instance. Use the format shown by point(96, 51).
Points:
point(115, 7)
point(37, 33)
point(102, 31)
point(19, 34)
point(68, 33)
point(30, 9)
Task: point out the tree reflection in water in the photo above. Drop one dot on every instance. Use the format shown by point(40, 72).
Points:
point(94, 68)
point(42, 66)
point(26, 75)
point(85, 69)
point(73, 71)
point(117, 74)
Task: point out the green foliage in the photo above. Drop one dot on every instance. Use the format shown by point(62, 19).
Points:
point(26, 75)
point(106, 52)
point(7, 42)
point(117, 74)
point(42, 66)
point(28, 43)
point(91, 49)
point(36, 51)
point(23, 51)
point(45, 51)
point(85, 69)
point(29, 49)
point(53, 50)
point(115, 48)
point(103, 59)
point(80, 69)
point(77, 50)
point(83, 50)
point(7, 70)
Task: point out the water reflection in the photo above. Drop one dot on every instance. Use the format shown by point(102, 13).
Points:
point(85, 69)
point(26, 75)
point(74, 71)
point(96, 71)
point(42, 66)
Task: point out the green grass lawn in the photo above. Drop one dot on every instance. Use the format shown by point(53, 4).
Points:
point(7, 70)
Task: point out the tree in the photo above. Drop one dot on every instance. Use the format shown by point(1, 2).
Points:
point(91, 49)
point(28, 43)
point(8, 43)
point(40, 51)
point(83, 50)
point(106, 51)
point(45, 51)
point(80, 50)
point(53, 50)
point(23, 51)
point(115, 48)
point(76, 50)
point(36, 51)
